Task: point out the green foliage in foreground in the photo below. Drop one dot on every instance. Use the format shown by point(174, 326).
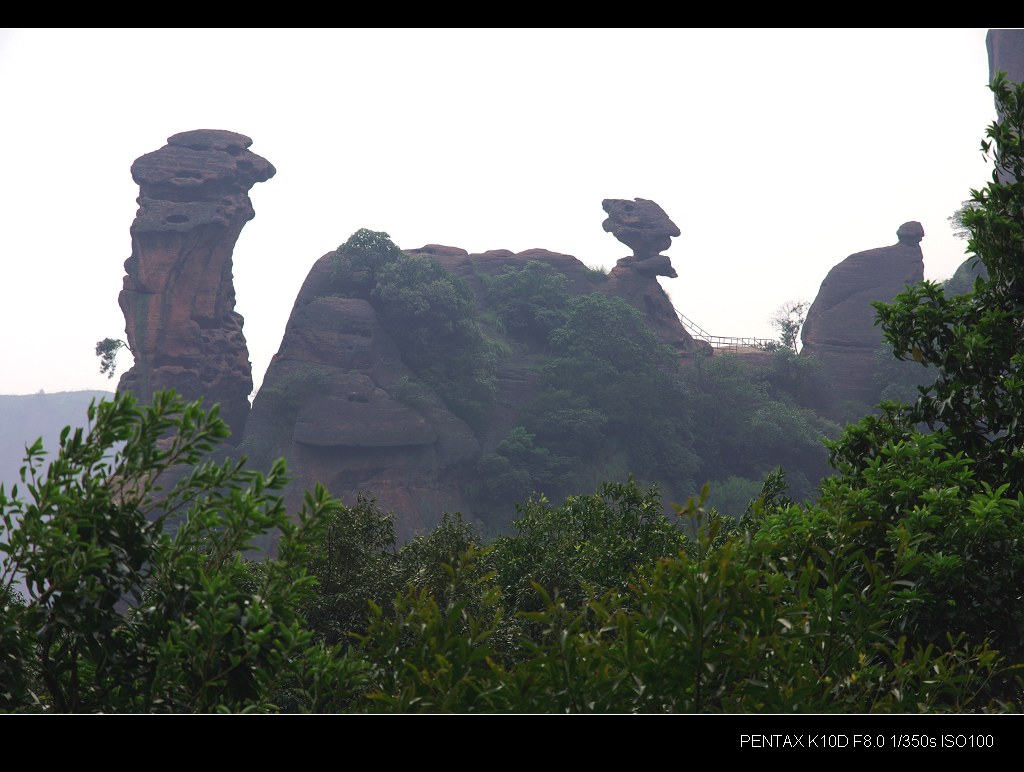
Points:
point(729, 625)
point(973, 340)
point(138, 597)
point(944, 472)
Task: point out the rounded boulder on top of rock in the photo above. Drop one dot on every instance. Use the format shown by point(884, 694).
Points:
point(642, 226)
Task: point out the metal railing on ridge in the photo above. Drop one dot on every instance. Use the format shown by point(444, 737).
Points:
point(722, 342)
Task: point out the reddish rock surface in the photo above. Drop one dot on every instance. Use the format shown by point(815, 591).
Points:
point(840, 326)
point(330, 405)
point(178, 297)
point(642, 290)
point(336, 398)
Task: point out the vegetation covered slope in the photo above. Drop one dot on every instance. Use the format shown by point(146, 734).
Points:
point(607, 398)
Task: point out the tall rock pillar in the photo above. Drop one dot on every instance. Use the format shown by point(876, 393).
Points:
point(179, 297)
point(1006, 52)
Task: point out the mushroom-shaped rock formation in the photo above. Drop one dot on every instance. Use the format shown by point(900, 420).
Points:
point(840, 326)
point(644, 227)
point(178, 297)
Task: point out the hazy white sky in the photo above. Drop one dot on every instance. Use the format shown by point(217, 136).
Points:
point(777, 152)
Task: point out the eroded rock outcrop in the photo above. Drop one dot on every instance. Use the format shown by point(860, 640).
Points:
point(339, 403)
point(178, 297)
point(840, 330)
point(644, 227)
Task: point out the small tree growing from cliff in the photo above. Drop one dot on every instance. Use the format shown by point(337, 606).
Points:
point(106, 350)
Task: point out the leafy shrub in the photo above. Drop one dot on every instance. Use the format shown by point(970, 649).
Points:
point(530, 301)
point(138, 598)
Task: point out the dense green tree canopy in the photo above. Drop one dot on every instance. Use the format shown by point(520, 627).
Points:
point(530, 301)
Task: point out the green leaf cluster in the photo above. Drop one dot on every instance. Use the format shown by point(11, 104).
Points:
point(610, 401)
point(530, 301)
point(139, 597)
point(128, 548)
point(943, 472)
point(795, 616)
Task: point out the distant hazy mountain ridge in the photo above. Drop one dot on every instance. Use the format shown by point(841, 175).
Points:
point(26, 417)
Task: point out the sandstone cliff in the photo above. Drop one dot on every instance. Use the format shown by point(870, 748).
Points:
point(178, 297)
point(643, 226)
point(840, 330)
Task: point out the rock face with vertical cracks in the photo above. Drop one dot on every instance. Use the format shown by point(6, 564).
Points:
point(840, 326)
point(178, 297)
